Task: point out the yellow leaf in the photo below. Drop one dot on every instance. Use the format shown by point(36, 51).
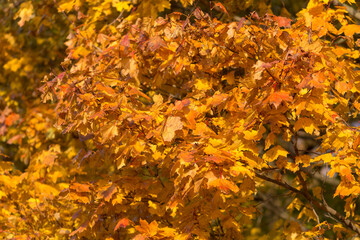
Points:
point(46, 190)
point(80, 51)
point(149, 229)
point(14, 64)
point(25, 13)
point(239, 168)
point(303, 159)
point(202, 85)
point(2, 194)
point(348, 1)
point(68, 5)
point(254, 134)
point(139, 146)
point(122, 6)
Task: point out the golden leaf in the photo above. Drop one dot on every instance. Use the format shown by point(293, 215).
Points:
point(110, 132)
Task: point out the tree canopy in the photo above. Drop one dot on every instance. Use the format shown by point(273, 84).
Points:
point(179, 119)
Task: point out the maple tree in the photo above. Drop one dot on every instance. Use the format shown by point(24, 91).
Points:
point(154, 124)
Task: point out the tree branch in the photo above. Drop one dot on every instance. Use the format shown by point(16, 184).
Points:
point(323, 206)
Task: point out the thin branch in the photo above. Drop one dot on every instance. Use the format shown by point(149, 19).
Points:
point(278, 210)
point(322, 206)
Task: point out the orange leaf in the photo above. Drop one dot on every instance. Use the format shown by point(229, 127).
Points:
point(356, 142)
point(124, 222)
point(277, 97)
point(222, 8)
point(283, 21)
point(78, 187)
point(187, 156)
point(106, 89)
point(181, 104)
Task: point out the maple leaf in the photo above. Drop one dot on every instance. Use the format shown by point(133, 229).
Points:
point(172, 125)
point(155, 43)
point(107, 194)
point(273, 154)
point(149, 229)
point(109, 132)
point(350, 29)
point(277, 98)
point(305, 123)
point(223, 184)
point(221, 7)
point(25, 13)
point(283, 21)
point(78, 187)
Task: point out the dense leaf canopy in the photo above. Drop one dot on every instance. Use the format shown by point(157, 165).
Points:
point(179, 119)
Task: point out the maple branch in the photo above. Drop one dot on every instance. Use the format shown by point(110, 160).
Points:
point(308, 196)
point(285, 185)
point(323, 206)
point(352, 11)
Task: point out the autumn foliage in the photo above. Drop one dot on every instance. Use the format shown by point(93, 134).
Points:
point(160, 120)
